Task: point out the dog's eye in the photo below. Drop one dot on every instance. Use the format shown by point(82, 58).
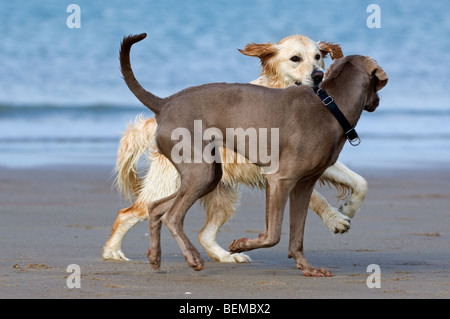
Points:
point(317, 57)
point(296, 58)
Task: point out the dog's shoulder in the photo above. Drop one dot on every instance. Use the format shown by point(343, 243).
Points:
point(297, 91)
point(302, 96)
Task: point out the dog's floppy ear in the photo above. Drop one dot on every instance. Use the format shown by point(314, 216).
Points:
point(335, 69)
point(376, 70)
point(263, 51)
point(334, 50)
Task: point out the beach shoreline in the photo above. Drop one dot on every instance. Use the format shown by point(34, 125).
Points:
point(53, 217)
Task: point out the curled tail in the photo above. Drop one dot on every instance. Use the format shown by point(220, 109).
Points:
point(148, 99)
point(135, 142)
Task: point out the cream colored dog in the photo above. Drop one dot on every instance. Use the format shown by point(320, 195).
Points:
point(294, 60)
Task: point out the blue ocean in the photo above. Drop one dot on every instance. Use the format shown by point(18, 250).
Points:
point(63, 101)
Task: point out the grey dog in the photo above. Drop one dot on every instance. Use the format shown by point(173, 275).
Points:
point(309, 141)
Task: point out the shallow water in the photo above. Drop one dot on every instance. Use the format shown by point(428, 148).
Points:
point(62, 99)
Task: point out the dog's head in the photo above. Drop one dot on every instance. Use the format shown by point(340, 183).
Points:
point(374, 76)
point(294, 60)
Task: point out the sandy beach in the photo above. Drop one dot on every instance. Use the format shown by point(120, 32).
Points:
point(53, 217)
point(64, 106)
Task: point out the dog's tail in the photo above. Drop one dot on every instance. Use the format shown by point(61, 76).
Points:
point(135, 142)
point(148, 99)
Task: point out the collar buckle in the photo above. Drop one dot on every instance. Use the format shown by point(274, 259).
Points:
point(353, 137)
point(326, 99)
point(350, 133)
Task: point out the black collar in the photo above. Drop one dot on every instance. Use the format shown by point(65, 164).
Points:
point(350, 132)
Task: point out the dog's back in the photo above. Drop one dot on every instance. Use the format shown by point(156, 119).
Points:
point(233, 105)
point(262, 119)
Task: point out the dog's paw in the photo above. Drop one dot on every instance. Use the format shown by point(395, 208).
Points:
point(222, 256)
point(349, 208)
point(336, 222)
point(317, 272)
point(238, 245)
point(241, 258)
point(235, 258)
point(116, 255)
point(195, 261)
point(154, 257)
point(305, 267)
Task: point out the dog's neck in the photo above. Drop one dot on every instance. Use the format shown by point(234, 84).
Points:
point(270, 78)
point(348, 89)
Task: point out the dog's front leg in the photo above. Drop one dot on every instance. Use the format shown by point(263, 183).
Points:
point(335, 221)
point(277, 192)
point(344, 178)
point(298, 201)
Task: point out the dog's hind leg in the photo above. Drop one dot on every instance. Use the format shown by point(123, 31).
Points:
point(277, 193)
point(197, 180)
point(220, 205)
point(126, 219)
point(157, 210)
point(160, 181)
point(298, 200)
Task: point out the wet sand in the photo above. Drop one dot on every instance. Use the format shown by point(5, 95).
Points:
point(54, 217)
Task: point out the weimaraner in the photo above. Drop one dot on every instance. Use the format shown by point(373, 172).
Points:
point(309, 140)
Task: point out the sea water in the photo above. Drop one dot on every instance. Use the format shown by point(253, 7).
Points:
point(63, 101)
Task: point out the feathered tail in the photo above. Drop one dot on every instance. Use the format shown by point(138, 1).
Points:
point(135, 143)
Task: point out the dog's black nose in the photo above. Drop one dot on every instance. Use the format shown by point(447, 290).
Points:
point(317, 76)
